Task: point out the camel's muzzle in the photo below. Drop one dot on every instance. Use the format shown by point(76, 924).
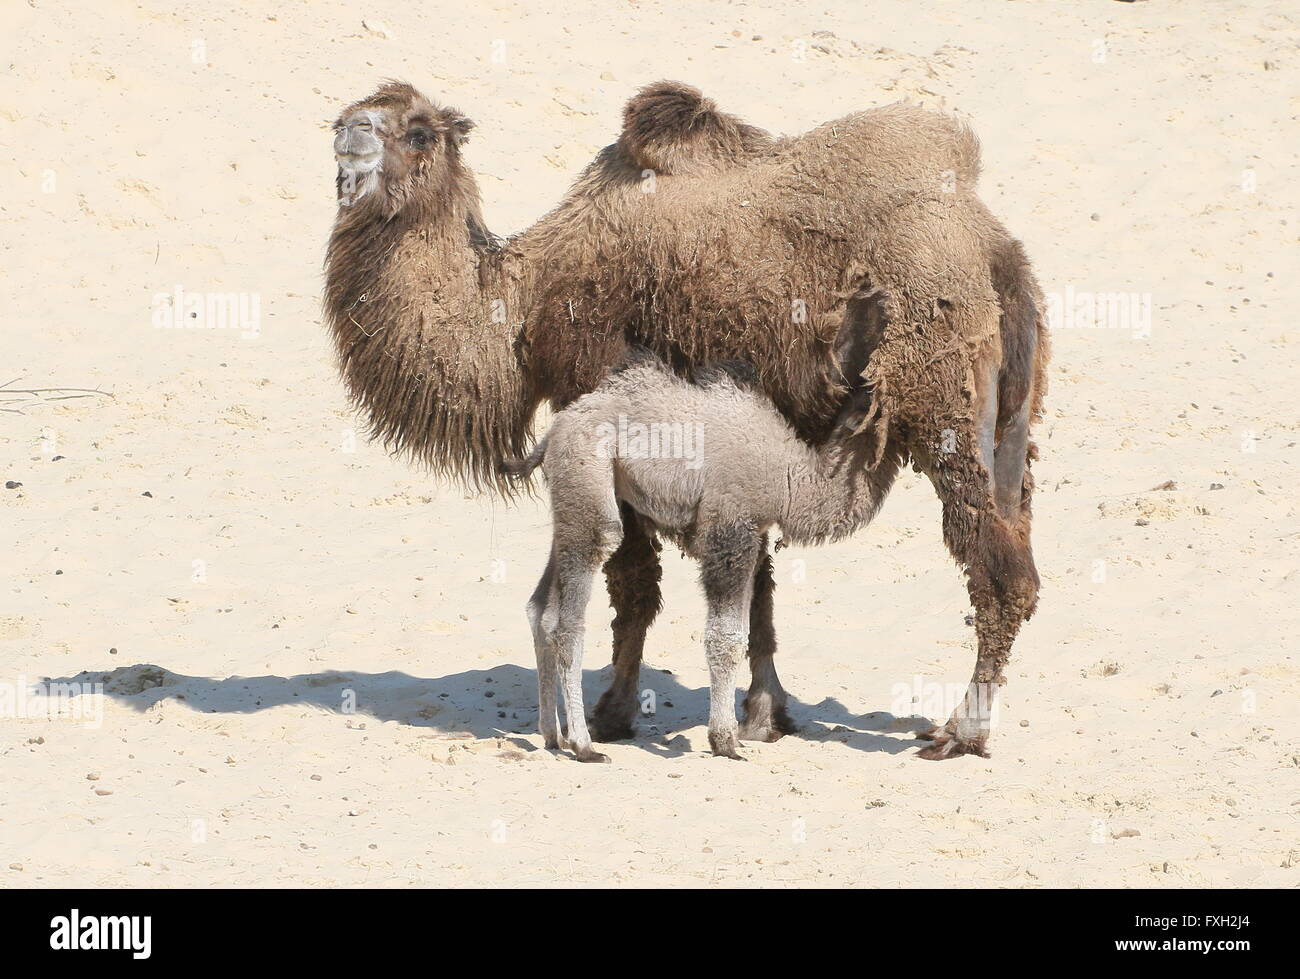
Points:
point(357, 148)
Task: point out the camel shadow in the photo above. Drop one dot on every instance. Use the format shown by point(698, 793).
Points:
point(482, 704)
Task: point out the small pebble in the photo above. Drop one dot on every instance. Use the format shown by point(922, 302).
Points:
point(12, 484)
point(147, 493)
point(103, 792)
point(1024, 724)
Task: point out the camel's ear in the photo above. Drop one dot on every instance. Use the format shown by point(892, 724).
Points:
point(459, 127)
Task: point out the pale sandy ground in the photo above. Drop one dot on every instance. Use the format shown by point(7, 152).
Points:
point(130, 168)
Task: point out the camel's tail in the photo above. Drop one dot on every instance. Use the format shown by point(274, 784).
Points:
point(523, 468)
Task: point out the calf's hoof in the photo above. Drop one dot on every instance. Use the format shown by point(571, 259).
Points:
point(591, 755)
point(725, 746)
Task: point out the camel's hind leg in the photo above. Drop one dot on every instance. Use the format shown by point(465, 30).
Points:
point(989, 537)
point(765, 705)
point(728, 560)
point(587, 532)
point(632, 576)
point(542, 610)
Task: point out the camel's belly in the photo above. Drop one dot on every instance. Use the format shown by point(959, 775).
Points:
point(664, 491)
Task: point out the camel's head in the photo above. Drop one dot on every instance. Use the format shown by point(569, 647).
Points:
point(396, 146)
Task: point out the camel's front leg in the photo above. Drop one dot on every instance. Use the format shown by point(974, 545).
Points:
point(632, 575)
point(986, 528)
point(728, 562)
point(765, 705)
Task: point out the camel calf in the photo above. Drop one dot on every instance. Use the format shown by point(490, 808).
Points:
point(711, 464)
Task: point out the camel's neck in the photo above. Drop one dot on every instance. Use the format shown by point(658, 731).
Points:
point(832, 493)
point(425, 326)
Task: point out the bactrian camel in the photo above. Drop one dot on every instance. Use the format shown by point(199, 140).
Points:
point(744, 473)
point(855, 256)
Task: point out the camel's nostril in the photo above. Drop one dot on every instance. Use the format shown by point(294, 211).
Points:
point(357, 147)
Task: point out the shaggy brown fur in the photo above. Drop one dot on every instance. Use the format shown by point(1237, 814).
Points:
point(674, 130)
point(863, 235)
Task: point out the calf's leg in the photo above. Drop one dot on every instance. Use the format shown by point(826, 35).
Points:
point(728, 561)
point(543, 608)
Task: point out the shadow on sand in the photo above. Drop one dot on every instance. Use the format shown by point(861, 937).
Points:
point(496, 703)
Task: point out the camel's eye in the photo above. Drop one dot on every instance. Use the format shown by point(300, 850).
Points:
point(420, 139)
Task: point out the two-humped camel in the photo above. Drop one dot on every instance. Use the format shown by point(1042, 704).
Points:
point(855, 257)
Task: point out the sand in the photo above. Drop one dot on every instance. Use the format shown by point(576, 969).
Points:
point(316, 665)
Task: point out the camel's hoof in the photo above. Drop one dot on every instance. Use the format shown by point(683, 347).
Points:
point(943, 746)
point(761, 732)
point(592, 756)
point(725, 746)
point(607, 729)
point(771, 728)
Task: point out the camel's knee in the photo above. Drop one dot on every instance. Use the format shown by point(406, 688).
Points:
point(728, 561)
point(586, 545)
point(542, 623)
point(541, 601)
point(609, 535)
point(725, 643)
point(568, 645)
point(1002, 570)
